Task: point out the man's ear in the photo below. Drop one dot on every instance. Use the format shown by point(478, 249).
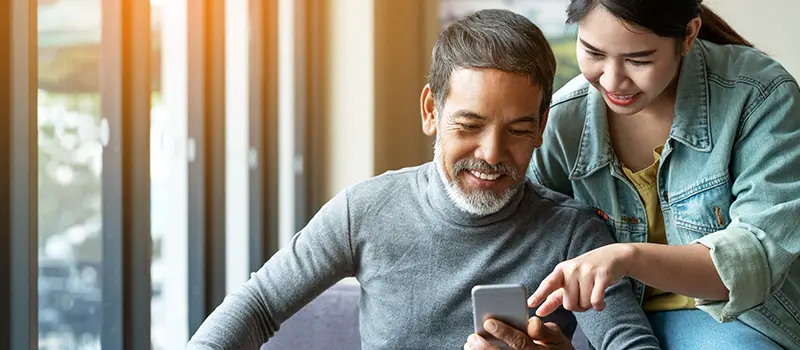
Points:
point(428, 109)
point(542, 125)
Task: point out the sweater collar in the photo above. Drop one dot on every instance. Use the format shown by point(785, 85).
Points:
point(446, 209)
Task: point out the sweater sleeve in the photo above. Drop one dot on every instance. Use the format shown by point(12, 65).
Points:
point(622, 324)
point(317, 257)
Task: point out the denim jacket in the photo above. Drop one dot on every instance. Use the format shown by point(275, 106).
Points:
point(728, 178)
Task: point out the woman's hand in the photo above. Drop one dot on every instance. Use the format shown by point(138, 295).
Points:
point(539, 336)
point(580, 284)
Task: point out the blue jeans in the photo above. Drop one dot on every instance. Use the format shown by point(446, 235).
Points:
point(694, 329)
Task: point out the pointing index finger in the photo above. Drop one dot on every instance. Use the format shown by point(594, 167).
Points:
point(551, 283)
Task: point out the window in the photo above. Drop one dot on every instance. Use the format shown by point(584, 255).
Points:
point(168, 175)
point(70, 163)
point(238, 155)
point(108, 247)
point(549, 15)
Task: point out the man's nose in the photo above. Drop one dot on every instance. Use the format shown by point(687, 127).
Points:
point(493, 148)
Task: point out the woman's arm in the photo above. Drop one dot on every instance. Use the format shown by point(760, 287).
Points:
point(682, 269)
point(580, 284)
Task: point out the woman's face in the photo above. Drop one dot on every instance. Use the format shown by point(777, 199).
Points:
point(631, 66)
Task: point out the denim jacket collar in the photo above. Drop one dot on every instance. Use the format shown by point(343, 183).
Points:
point(595, 151)
point(691, 125)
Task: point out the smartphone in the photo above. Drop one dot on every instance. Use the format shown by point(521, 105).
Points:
point(502, 302)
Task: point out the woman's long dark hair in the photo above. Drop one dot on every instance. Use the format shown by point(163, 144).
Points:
point(665, 18)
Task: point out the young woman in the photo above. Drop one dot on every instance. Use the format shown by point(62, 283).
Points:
point(686, 140)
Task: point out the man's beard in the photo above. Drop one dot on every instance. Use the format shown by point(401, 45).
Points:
point(476, 202)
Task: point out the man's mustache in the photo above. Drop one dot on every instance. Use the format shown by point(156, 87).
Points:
point(485, 167)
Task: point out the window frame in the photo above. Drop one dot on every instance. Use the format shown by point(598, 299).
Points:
point(18, 183)
point(125, 109)
point(206, 169)
point(263, 132)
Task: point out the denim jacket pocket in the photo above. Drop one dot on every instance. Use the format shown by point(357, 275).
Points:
point(612, 227)
point(704, 207)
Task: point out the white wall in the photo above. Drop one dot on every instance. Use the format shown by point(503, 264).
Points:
point(377, 59)
point(351, 94)
point(771, 25)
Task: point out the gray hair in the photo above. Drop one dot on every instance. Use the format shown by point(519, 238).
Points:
point(496, 39)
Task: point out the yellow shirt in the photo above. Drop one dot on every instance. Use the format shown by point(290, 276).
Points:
point(645, 183)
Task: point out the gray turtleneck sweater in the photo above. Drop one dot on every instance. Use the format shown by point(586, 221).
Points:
point(417, 257)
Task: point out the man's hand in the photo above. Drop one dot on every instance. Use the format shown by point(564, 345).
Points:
point(540, 336)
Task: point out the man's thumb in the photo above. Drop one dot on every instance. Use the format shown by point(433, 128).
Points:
point(535, 328)
point(543, 332)
point(552, 330)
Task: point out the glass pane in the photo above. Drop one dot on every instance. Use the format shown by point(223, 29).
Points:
point(70, 164)
point(168, 176)
point(549, 15)
point(237, 54)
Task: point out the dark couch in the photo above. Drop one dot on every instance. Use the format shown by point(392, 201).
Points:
point(331, 322)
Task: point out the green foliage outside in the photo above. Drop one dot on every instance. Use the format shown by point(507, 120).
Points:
point(69, 168)
point(564, 50)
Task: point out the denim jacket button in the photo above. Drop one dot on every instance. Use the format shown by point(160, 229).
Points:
point(665, 196)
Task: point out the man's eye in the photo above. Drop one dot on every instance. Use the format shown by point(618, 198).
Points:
point(468, 126)
point(521, 132)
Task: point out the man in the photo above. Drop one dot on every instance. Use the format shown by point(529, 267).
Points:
point(418, 239)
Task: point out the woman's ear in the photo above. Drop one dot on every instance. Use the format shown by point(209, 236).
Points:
point(692, 30)
point(428, 109)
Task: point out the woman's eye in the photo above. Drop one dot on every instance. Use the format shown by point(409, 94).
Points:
point(595, 55)
point(639, 63)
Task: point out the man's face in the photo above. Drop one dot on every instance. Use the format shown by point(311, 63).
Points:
point(486, 132)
